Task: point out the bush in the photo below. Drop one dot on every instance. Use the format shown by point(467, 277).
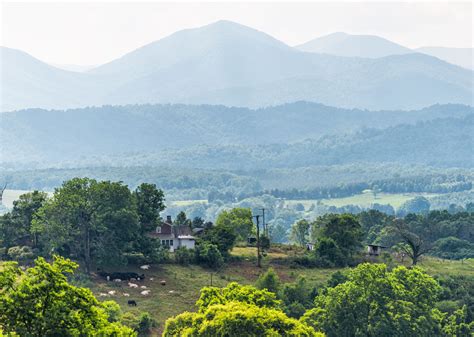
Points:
point(141, 323)
point(145, 323)
point(21, 253)
point(184, 256)
point(136, 259)
point(160, 254)
point(209, 255)
point(113, 311)
point(269, 280)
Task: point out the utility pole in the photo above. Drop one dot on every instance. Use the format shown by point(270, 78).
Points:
point(257, 218)
point(265, 231)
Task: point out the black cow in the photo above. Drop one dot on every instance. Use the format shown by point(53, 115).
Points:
point(132, 303)
point(122, 276)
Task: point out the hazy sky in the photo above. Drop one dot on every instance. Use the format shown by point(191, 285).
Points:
point(94, 33)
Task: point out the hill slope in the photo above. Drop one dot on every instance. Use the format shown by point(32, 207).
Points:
point(343, 44)
point(37, 134)
point(227, 63)
point(463, 57)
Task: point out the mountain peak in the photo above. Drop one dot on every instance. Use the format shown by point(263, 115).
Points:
point(351, 45)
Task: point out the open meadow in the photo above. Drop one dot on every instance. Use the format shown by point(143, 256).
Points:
point(184, 282)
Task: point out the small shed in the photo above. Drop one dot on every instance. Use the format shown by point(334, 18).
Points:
point(375, 250)
point(310, 246)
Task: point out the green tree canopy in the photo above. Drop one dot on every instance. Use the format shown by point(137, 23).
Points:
point(15, 227)
point(378, 302)
point(40, 302)
point(88, 220)
point(236, 292)
point(269, 281)
point(338, 236)
point(300, 232)
point(235, 311)
point(236, 319)
point(239, 220)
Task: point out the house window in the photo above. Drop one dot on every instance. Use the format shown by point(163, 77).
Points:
point(171, 242)
point(162, 242)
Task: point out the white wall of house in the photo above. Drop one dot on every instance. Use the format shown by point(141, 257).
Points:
point(170, 241)
point(188, 243)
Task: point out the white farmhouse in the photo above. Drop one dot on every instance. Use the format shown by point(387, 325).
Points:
point(174, 236)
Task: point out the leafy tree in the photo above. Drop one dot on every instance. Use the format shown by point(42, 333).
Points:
point(269, 281)
point(198, 222)
point(339, 236)
point(329, 253)
point(208, 254)
point(40, 302)
point(236, 292)
point(239, 220)
point(378, 302)
point(15, 227)
point(150, 203)
point(453, 248)
point(415, 205)
point(234, 310)
point(182, 219)
point(412, 234)
point(235, 319)
point(223, 237)
point(89, 220)
point(297, 297)
point(300, 232)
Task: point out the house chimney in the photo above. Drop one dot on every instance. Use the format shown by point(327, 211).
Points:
point(168, 219)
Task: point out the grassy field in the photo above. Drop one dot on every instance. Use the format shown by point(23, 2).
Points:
point(365, 199)
point(184, 282)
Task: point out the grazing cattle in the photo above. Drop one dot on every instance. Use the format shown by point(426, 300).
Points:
point(126, 294)
point(163, 282)
point(122, 276)
point(132, 303)
point(143, 287)
point(145, 292)
point(103, 295)
point(132, 285)
point(117, 280)
point(151, 278)
point(112, 292)
point(145, 267)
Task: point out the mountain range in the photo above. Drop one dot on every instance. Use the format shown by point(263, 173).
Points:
point(231, 64)
point(55, 136)
point(370, 46)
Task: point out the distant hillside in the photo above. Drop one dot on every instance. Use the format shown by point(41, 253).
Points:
point(463, 57)
point(371, 46)
point(57, 136)
point(343, 44)
point(447, 142)
point(230, 64)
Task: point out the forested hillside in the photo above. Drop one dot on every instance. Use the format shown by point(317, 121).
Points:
point(221, 133)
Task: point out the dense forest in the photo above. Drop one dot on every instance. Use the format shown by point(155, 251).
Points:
point(210, 136)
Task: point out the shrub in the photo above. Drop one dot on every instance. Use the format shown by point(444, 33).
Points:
point(20, 253)
point(113, 311)
point(269, 280)
point(209, 255)
point(184, 256)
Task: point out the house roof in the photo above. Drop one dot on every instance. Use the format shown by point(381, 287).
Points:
point(187, 237)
